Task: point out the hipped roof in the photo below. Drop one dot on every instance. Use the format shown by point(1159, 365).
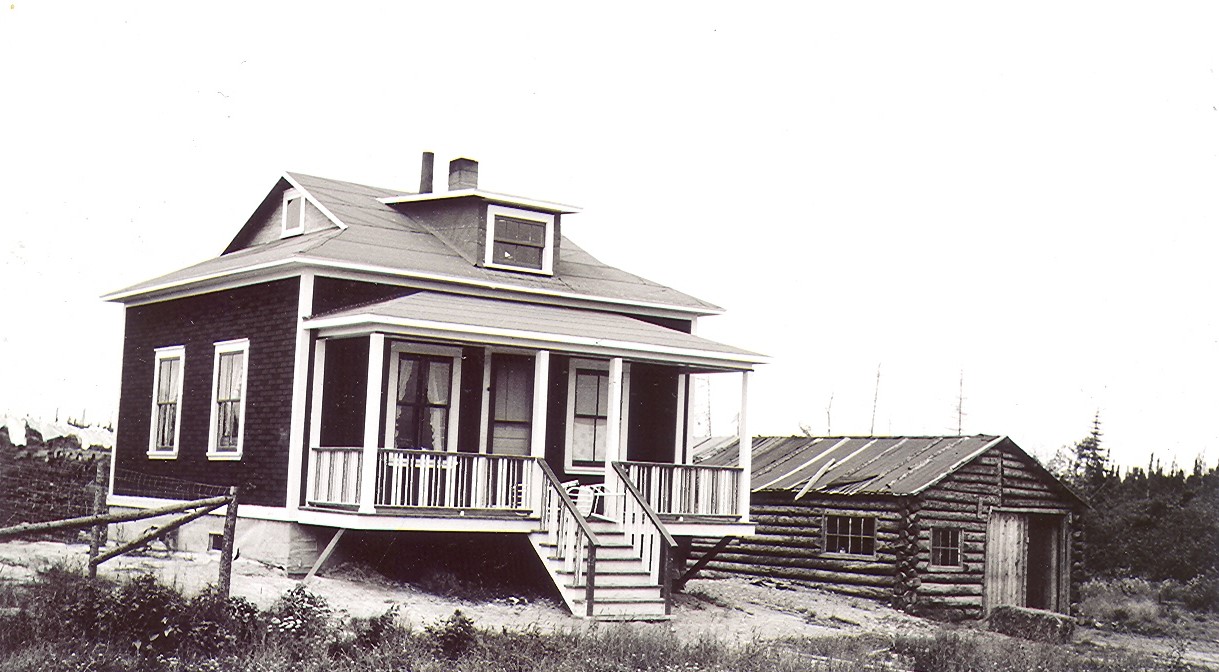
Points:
point(373, 237)
point(889, 465)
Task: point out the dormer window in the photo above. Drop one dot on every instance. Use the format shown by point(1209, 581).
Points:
point(293, 222)
point(519, 240)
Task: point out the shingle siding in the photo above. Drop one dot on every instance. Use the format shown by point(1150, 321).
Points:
point(266, 315)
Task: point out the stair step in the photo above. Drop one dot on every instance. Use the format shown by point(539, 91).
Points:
point(610, 592)
point(612, 579)
point(632, 607)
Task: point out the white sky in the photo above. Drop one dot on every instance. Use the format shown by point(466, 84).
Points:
point(1023, 194)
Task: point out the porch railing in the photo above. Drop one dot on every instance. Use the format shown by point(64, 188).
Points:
point(423, 479)
point(334, 476)
point(430, 479)
point(644, 531)
point(569, 533)
point(687, 490)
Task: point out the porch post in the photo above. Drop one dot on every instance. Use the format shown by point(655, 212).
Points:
point(537, 428)
point(315, 417)
point(746, 448)
point(613, 431)
point(372, 422)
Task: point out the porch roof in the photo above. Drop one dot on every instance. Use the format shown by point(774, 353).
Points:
point(478, 320)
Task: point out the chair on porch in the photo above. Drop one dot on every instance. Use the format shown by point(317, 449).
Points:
point(584, 496)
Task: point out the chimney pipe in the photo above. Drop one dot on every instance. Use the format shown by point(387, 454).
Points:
point(463, 174)
point(426, 173)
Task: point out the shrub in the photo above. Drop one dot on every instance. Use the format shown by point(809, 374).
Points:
point(299, 614)
point(214, 623)
point(454, 636)
point(147, 614)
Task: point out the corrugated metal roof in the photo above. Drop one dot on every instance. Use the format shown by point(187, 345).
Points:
point(888, 465)
point(587, 328)
point(376, 235)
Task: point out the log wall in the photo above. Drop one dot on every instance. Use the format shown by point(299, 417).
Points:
point(789, 536)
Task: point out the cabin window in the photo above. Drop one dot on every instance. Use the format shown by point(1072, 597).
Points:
point(166, 402)
point(422, 385)
point(293, 221)
point(519, 240)
point(511, 404)
point(228, 400)
point(850, 535)
point(945, 547)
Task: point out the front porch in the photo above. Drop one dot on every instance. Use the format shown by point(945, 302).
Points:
point(450, 413)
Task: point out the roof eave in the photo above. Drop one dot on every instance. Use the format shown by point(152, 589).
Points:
point(193, 284)
point(710, 360)
point(506, 199)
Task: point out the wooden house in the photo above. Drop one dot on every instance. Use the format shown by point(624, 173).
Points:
point(957, 524)
point(361, 358)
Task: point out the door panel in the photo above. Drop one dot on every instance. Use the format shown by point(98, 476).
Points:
point(1006, 559)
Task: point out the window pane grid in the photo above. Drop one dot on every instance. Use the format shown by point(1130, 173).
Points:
point(422, 402)
point(851, 535)
point(518, 242)
point(945, 547)
point(166, 413)
point(590, 416)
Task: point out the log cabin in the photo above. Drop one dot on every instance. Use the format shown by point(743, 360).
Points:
point(371, 359)
point(955, 525)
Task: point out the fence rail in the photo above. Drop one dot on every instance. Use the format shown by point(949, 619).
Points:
point(429, 479)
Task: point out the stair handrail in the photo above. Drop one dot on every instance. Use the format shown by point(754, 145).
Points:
point(659, 531)
point(566, 505)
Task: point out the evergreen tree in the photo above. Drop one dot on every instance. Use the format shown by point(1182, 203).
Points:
point(1090, 466)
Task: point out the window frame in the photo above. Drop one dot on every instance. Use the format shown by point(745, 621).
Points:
point(492, 393)
point(825, 534)
point(398, 348)
point(573, 366)
point(546, 219)
point(160, 354)
point(287, 229)
point(241, 345)
point(958, 548)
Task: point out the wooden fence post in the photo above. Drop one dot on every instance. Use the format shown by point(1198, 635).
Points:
point(100, 482)
point(226, 551)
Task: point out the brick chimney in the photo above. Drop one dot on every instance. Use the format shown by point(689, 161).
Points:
point(463, 174)
point(426, 173)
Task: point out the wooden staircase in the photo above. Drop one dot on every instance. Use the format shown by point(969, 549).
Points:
point(623, 585)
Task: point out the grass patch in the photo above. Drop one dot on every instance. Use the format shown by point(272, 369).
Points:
point(67, 622)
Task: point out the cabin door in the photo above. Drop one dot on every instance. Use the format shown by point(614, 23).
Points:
point(1025, 564)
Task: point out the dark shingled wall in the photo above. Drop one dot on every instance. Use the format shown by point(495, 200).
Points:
point(263, 313)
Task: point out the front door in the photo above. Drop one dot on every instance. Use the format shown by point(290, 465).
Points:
point(1024, 560)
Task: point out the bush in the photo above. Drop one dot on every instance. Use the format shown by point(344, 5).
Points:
point(299, 614)
point(454, 636)
point(215, 624)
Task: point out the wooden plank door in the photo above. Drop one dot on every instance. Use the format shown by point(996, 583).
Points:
point(1006, 559)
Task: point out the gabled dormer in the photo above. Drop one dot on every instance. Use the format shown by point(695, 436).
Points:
point(488, 229)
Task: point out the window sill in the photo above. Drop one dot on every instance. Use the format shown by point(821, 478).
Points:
point(518, 269)
point(848, 556)
point(945, 568)
point(584, 471)
point(162, 455)
point(224, 457)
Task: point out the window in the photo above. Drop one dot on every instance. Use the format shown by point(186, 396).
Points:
point(421, 407)
point(166, 402)
point(588, 414)
point(850, 535)
point(519, 240)
point(215, 541)
point(228, 400)
point(294, 214)
point(511, 404)
point(945, 547)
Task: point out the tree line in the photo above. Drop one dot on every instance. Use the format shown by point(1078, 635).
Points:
point(1154, 523)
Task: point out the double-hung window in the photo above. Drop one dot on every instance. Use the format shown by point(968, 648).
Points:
point(850, 535)
point(225, 441)
point(519, 240)
point(166, 402)
point(588, 414)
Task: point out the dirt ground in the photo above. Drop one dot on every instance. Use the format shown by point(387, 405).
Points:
point(731, 608)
